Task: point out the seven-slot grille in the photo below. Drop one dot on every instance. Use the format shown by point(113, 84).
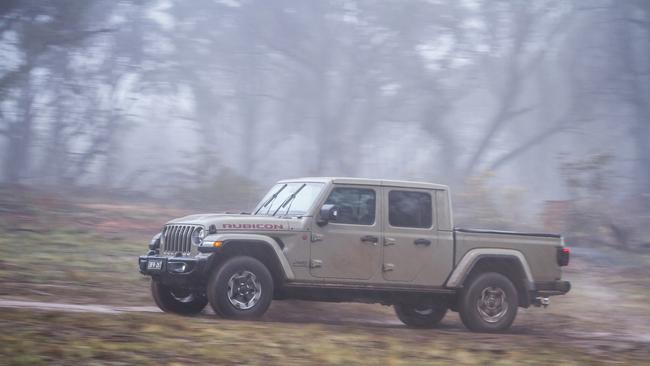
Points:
point(178, 239)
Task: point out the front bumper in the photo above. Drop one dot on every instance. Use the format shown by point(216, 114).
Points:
point(186, 272)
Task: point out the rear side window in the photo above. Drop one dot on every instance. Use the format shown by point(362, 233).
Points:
point(355, 205)
point(409, 209)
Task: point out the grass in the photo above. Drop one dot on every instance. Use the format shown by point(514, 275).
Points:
point(160, 339)
point(86, 253)
point(74, 266)
point(75, 251)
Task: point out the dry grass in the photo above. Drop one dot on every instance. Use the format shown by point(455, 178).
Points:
point(69, 265)
point(76, 254)
point(162, 339)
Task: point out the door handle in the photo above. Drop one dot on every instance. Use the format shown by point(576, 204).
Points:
point(421, 241)
point(369, 239)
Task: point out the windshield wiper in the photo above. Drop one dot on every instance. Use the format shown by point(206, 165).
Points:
point(289, 199)
point(268, 202)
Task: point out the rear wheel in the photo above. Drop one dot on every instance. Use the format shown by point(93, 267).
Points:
point(241, 289)
point(421, 316)
point(488, 303)
point(178, 301)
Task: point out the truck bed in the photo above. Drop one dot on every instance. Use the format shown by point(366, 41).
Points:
point(539, 249)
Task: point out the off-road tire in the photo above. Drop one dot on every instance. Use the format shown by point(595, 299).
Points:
point(427, 316)
point(475, 290)
point(168, 300)
point(218, 285)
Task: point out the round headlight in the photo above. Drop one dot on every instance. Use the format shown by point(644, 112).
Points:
point(155, 242)
point(197, 236)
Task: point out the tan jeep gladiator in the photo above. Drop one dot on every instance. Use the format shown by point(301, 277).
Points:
point(353, 240)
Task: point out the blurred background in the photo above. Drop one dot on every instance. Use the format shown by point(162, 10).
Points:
point(537, 113)
point(116, 116)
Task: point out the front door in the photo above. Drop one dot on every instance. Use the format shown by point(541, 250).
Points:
point(410, 236)
point(349, 246)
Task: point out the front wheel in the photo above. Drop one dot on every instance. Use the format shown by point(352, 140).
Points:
point(241, 289)
point(177, 301)
point(488, 303)
point(421, 316)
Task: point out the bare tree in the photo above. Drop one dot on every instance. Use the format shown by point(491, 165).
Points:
point(40, 27)
point(512, 61)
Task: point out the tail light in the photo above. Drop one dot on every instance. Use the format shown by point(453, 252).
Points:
point(563, 254)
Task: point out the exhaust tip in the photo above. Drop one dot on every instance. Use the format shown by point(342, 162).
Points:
point(542, 301)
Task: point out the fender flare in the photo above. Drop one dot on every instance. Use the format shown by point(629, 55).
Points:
point(263, 239)
point(472, 257)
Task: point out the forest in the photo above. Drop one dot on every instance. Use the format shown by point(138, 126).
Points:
point(535, 112)
point(117, 116)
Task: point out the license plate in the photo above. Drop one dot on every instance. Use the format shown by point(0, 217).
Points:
point(154, 264)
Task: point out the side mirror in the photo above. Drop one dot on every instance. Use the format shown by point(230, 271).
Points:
point(327, 213)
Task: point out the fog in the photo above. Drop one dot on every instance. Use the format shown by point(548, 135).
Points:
point(121, 122)
point(205, 104)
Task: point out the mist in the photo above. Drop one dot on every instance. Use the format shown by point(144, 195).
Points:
point(123, 123)
point(517, 105)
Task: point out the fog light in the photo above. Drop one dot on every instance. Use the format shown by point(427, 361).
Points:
point(143, 264)
point(176, 267)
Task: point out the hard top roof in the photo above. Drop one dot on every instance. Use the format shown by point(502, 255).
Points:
point(368, 182)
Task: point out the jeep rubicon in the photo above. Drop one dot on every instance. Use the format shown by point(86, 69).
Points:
point(354, 240)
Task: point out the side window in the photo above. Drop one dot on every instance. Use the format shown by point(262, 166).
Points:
point(355, 205)
point(409, 209)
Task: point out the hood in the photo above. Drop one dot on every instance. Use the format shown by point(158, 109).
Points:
point(240, 222)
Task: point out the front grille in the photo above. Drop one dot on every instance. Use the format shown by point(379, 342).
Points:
point(177, 239)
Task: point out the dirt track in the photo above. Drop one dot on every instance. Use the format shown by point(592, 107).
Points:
point(577, 329)
point(83, 285)
point(609, 301)
point(605, 314)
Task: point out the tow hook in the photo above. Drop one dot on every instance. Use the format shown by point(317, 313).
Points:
point(541, 301)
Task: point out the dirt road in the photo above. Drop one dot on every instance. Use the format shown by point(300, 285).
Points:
point(85, 287)
point(603, 320)
point(75, 308)
point(579, 328)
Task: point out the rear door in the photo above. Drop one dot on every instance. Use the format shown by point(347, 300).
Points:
point(410, 245)
point(349, 247)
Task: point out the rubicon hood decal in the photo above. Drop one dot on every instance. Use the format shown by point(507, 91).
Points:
point(241, 222)
point(253, 226)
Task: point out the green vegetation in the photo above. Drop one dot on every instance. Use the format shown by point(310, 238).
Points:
point(51, 249)
point(69, 265)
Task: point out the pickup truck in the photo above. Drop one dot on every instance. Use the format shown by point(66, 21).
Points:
point(353, 240)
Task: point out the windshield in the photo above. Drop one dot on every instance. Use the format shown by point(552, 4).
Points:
point(292, 199)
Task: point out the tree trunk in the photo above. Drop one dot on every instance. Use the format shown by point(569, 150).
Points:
point(20, 138)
